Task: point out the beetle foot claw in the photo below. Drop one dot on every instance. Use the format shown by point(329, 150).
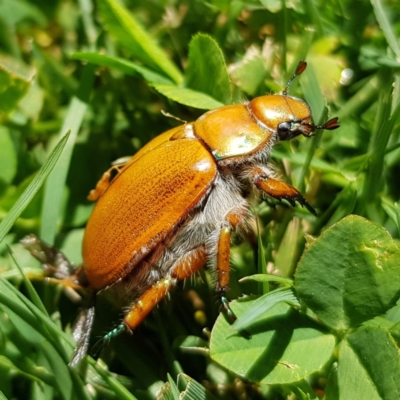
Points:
point(292, 201)
point(302, 201)
point(280, 190)
point(230, 314)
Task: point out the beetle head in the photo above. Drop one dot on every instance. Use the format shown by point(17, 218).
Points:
point(286, 115)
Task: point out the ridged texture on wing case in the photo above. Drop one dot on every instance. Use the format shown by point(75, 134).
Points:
point(142, 205)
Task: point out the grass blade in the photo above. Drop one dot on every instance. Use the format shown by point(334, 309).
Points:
point(125, 29)
point(120, 64)
point(54, 187)
point(55, 183)
point(383, 21)
point(32, 189)
point(29, 287)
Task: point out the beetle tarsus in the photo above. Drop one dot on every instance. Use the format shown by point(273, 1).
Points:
point(279, 190)
point(309, 207)
point(230, 314)
point(97, 348)
point(225, 305)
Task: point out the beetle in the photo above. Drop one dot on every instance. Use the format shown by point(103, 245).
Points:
point(172, 208)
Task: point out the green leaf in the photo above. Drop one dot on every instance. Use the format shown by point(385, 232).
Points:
point(285, 346)
point(350, 274)
point(169, 391)
point(249, 73)
point(193, 390)
point(174, 387)
point(263, 304)
point(32, 103)
point(332, 385)
point(188, 97)
point(8, 156)
point(354, 382)
point(32, 189)
point(206, 71)
point(267, 278)
point(369, 366)
point(126, 30)
point(394, 313)
point(125, 66)
point(15, 80)
point(15, 11)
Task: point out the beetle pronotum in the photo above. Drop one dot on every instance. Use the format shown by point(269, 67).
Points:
point(173, 206)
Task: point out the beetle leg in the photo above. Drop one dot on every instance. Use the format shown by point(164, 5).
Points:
point(184, 268)
point(104, 182)
point(142, 307)
point(223, 257)
point(278, 189)
point(55, 265)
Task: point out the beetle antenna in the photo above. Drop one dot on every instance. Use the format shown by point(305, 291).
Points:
point(301, 67)
point(168, 115)
point(330, 125)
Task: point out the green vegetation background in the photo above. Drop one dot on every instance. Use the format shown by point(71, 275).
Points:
point(104, 72)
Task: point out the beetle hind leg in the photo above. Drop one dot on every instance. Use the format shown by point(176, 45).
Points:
point(185, 267)
point(223, 258)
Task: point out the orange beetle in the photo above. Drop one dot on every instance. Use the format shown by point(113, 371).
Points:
point(160, 217)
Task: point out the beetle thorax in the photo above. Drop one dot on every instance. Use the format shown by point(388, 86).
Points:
point(241, 130)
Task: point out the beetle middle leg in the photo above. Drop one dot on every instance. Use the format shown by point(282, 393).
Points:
point(223, 258)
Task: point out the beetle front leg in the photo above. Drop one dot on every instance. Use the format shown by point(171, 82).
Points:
point(55, 264)
point(278, 189)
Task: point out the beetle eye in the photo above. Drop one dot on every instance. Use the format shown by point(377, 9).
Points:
point(284, 132)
